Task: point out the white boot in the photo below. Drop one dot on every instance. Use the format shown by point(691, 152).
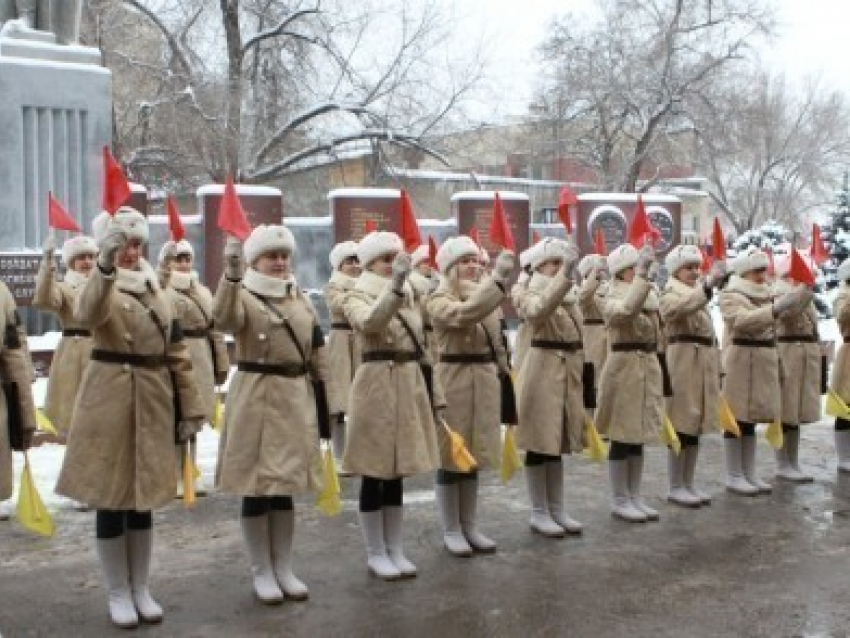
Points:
point(448, 501)
point(748, 459)
point(555, 497)
point(5, 510)
point(116, 574)
point(200, 486)
point(380, 565)
point(842, 447)
point(691, 454)
point(736, 482)
point(621, 502)
point(255, 531)
point(787, 459)
point(468, 488)
point(178, 451)
point(394, 538)
point(338, 438)
point(541, 520)
point(635, 475)
point(282, 531)
point(139, 549)
point(679, 494)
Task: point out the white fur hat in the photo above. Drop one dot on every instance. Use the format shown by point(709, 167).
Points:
point(455, 248)
point(131, 221)
point(589, 262)
point(622, 257)
point(749, 259)
point(377, 243)
point(527, 255)
point(844, 270)
point(484, 256)
point(266, 238)
point(782, 263)
point(76, 246)
point(181, 247)
point(548, 248)
point(341, 252)
point(419, 255)
point(682, 255)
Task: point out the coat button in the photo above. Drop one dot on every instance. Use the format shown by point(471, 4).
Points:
point(261, 360)
point(126, 367)
point(125, 305)
point(128, 336)
point(261, 336)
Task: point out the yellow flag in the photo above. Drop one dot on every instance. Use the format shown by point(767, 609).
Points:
point(835, 405)
point(461, 456)
point(510, 456)
point(329, 501)
point(189, 476)
point(32, 513)
point(774, 435)
point(218, 419)
point(596, 449)
point(669, 436)
point(44, 423)
point(727, 419)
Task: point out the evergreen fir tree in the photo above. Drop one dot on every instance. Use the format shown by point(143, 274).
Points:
point(836, 233)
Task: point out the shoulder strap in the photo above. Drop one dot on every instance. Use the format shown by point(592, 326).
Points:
point(286, 325)
point(197, 305)
point(420, 352)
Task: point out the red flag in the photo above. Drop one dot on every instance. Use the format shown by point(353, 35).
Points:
point(410, 235)
point(641, 227)
point(771, 268)
point(175, 224)
point(599, 240)
point(371, 226)
point(718, 241)
point(535, 237)
point(116, 188)
point(566, 199)
point(500, 231)
point(432, 252)
point(819, 252)
point(799, 271)
point(58, 217)
point(706, 261)
point(231, 215)
point(473, 235)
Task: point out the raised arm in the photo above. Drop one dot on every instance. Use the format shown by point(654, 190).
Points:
point(449, 312)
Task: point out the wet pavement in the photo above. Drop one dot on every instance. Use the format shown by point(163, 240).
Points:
point(770, 566)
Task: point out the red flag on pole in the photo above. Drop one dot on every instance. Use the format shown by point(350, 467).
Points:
point(500, 231)
point(718, 241)
point(410, 235)
point(175, 224)
point(371, 226)
point(599, 241)
point(820, 254)
point(641, 227)
point(473, 235)
point(116, 188)
point(566, 199)
point(706, 261)
point(432, 252)
point(231, 215)
point(799, 271)
point(535, 237)
point(771, 268)
point(58, 217)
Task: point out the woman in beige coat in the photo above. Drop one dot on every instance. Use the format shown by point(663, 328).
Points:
point(193, 309)
point(840, 383)
point(137, 394)
point(631, 402)
point(550, 393)
point(391, 422)
point(801, 378)
point(467, 330)
point(594, 273)
point(424, 281)
point(694, 359)
point(16, 371)
point(751, 362)
point(274, 416)
point(341, 351)
point(518, 291)
point(58, 297)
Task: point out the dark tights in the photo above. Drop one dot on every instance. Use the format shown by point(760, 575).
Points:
point(376, 493)
point(688, 440)
point(536, 458)
point(113, 523)
point(842, 425)
point(621, 451)
point(747, 429)
point(446, 477)
point(260, 505)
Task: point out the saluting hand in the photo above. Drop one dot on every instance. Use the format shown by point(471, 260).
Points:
point(114, 241)
point(233, 266)
point(402, 265)
point(504, 266)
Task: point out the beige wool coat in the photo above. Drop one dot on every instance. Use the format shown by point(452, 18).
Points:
point(342, 353)
point(15, 367)
point(550, 401)
point(422, 287)
point(73, 353)
point(594, 333)
point(751, 383)
point(799, 361)
point(631, 403)
point(391, 432)
point(467, 321)
point(120, 453)
point(694, 367)
point(523, 333)
point(270, 443)
point(840, 382)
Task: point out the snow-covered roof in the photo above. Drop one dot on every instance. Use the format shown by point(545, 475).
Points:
point(308, 221)
point(649, 198)
point(448, 176)
point(241, 189)
point(156, 220)
point(437, 222)
point(389, 193)
point(137, 188)
point(476, 195)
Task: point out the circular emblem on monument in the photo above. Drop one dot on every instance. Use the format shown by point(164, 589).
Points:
point(613, 223)
point(662, 221)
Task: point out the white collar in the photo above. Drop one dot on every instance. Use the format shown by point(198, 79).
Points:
point(137, 281)
point(266, 286)
point(181, 280)
point(75, 279)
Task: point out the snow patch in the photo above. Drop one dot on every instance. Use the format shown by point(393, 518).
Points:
point(249, 190)
point(648, 198)
point(389, 193)
point(479, 195)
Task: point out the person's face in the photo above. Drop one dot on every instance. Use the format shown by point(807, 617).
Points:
point(627, 275)
point(424, 268)
point(350, 266)
point(757, 276)
point(182, 263)
point(469, 268)
point(688, 274)
point(275, 263)
point(83, 264)
point(383, 265)
point(550, 267)
point(129, 256)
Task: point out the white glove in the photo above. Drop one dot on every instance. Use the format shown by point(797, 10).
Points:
point(645, 259)
point(718, 272)
point(114, 241)
point(168, 255)
point(402, 266)
point(233, 267)
point(49, 247)
point(187, 429)
point(570, 260)
point(504, 266)
point(791, 300)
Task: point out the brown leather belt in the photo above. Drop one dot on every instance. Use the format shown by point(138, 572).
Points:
point(76, 332)
point(389, 355)
point(151, 361)
point(290, 370)
point(797, 339)
point(634, 346)
point(754, 343)
point(199, 333)
point(563, 346)
point(340, 325)
point(594, 322)
point(428, 327)
point(468, 358)
point(700, 341)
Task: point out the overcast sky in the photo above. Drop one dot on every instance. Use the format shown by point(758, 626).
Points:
point(815, 38)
